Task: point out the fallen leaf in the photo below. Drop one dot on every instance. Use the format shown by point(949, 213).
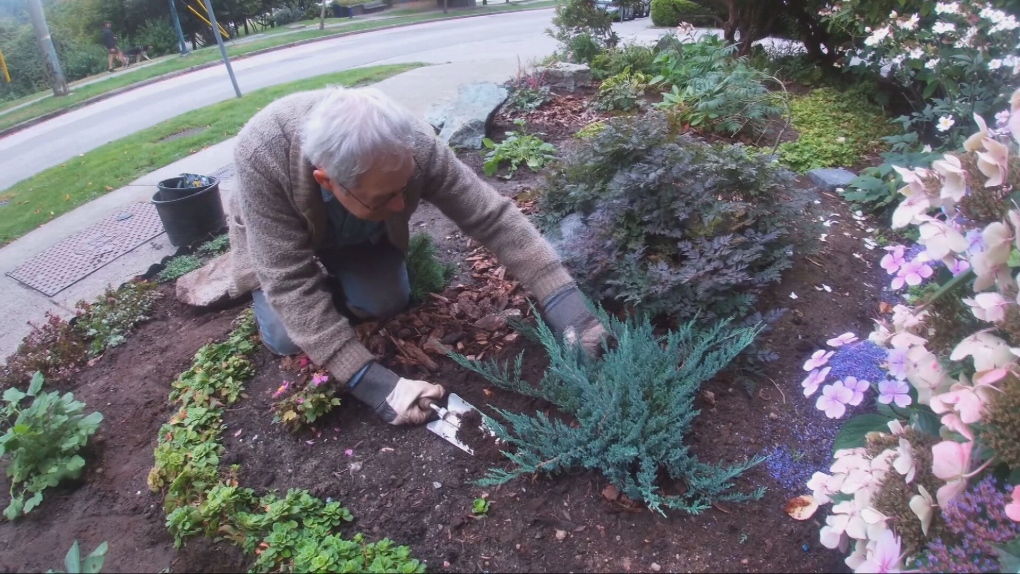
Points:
point(238, 433)
point(801, 507)
point(611, 492)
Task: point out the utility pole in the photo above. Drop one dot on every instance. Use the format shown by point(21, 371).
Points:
point(322, 16)
point(219, 40)
point(42, 35)
point(177, 26)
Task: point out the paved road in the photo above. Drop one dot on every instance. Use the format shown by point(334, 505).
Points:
point(30, 151)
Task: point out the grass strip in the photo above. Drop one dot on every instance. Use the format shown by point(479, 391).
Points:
point(296, 532)
point(211, 53)
point(59, 189)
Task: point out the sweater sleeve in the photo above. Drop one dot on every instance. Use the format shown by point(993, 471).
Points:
point(493, 220)
point(280, 248)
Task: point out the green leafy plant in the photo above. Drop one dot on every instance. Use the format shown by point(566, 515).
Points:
point(614, 61)
point(214, 247)
point(75, 564)
point(590, 130)
point(876, 188)
point(711, 90)
point(517, 148)
point(304, 402)
point(669, 224)
point(480, 507)
point(583, 29)
point(669, 13)
point(107, 322)
point(425, 272)
point(42, 441)
point(622, 92)
point(178, 267)
point(629, 411)
point(836, 129)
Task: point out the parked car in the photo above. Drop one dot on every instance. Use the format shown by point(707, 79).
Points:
point(620, 13)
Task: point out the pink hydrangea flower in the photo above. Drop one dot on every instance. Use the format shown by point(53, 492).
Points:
point(893, 260)
point(894, 390)
point(834, 400)
point(818, 360)
point(319, 380)
point(858, 388)
point(912, 273)
point(814, 378)
point(1013, 508)
point(959, 266)
point(844, 339)
point(897, 363)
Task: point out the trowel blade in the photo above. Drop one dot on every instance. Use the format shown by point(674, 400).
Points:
point(448, 431)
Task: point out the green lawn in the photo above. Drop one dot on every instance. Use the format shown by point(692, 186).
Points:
point(211, 53)
point(60, 189)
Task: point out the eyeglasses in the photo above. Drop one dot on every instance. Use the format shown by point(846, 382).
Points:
point(388, 198)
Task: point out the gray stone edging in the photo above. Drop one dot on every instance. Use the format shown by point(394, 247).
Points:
point(55, 113)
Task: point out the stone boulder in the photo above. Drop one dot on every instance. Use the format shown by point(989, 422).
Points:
point(832, 179)
point(464, 120)
point(208, 285)
point(565, 77)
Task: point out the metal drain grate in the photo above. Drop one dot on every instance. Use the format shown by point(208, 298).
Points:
point(78, 256)
point(224, 173)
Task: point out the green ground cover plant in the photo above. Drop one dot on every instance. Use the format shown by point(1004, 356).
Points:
point(836, 129)
point(59, 189)
point(295, 532)
point(633, 408)
point(41, 442)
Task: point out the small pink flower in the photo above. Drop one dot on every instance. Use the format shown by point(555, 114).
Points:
point(893, 260)
point(349, 452)
point(844, 339)
point(319, 380)
point(818, 360)
point(894, 390)
point(897, 363)
point(304, 361)
point(959, 266)
point(912, 273)
point(300, 400)
point(281, 389)
point(814, 378)
point(1013, 508)
point(834, 400)
point(858, 388)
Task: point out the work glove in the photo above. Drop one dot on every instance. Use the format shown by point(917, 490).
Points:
point(396, 400)
point(566, 314)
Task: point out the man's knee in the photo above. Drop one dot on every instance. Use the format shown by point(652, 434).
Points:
point(381, 304)
point(271, 329)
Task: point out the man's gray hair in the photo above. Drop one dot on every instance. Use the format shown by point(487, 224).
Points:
point(352, 129)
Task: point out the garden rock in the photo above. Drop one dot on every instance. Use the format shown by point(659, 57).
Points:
point(565, 77)
point(207, 285)
point(463, 121)
point(831, 178)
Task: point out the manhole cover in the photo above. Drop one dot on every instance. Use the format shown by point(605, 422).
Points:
point(224, 173)
point(78, 256)
point(182, 134)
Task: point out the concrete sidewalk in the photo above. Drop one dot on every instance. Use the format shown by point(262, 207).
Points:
point(416, 89)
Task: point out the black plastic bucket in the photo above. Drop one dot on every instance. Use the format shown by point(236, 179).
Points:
point(189, 214)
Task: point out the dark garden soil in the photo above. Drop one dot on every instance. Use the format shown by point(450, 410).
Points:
point(411, 486)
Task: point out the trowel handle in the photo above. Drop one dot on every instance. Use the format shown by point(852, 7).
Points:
point(439, 410)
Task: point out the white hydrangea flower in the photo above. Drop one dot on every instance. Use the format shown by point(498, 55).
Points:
point(877, 36)
point(992, 15)
point(994, 64)
point(909, 23)
point(945, 122)
point(943, 27)
point(947, 8)
point(931, 64)
point(916, 53)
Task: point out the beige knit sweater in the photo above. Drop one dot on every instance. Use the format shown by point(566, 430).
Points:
point(279, 218)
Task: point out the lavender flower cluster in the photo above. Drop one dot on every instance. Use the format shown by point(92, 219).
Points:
point(977, 520)
point(793, 467)
point(862, 359)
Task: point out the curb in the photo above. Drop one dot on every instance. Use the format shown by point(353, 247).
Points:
point(115, 92)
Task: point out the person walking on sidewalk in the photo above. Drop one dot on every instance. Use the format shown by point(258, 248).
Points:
point(110, 41)
point(334, 175)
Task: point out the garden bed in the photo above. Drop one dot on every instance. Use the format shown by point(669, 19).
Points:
point(409, 485)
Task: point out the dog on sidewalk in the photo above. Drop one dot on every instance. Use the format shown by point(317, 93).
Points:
point(138, 52)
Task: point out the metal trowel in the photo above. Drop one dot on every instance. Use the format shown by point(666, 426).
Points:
point(449, 420)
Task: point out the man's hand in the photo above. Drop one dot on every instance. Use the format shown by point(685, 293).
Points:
point(567, 314)
point(396, 400)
